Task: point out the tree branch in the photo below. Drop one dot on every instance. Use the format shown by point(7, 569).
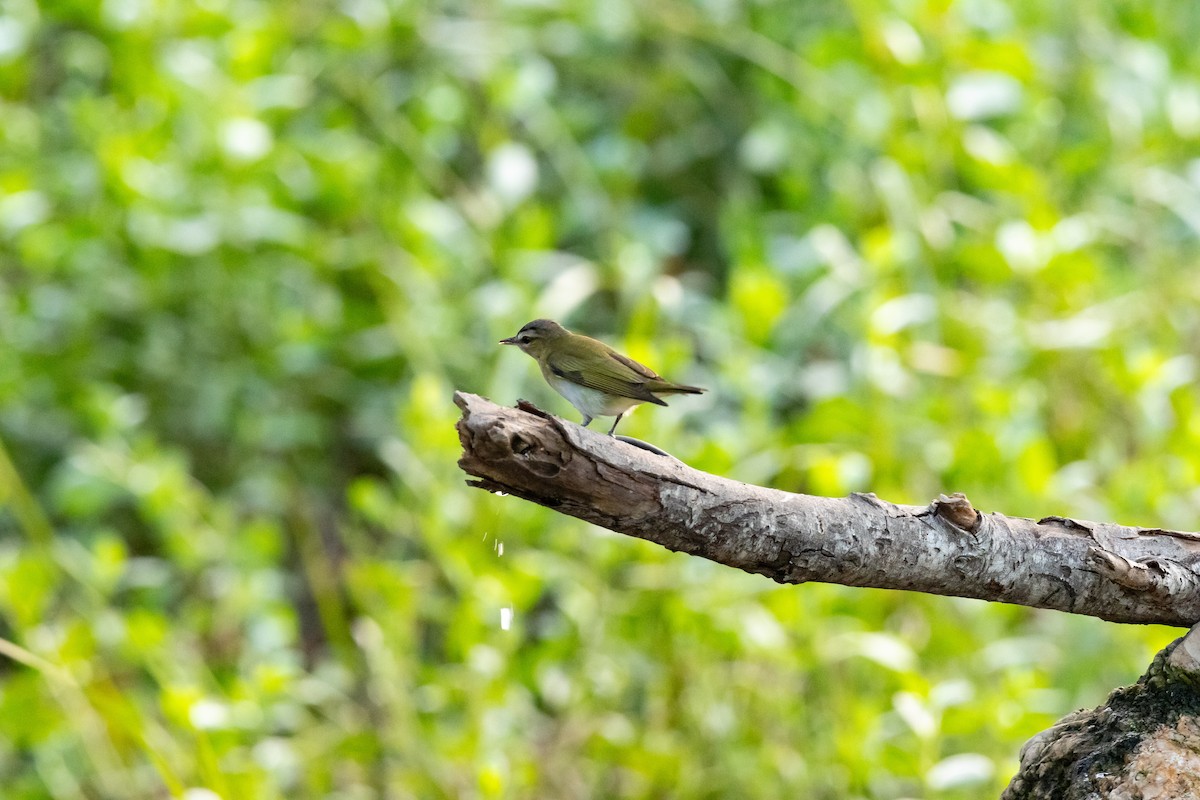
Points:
point(1113, 572)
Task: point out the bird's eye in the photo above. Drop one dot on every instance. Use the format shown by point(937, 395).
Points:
point(524, 339)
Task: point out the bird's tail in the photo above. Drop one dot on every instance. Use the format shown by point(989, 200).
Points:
point(676, 388)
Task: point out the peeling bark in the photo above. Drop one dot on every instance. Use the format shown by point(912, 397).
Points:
point(1116, 573)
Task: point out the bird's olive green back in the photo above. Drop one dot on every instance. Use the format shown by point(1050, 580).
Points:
point(576, 360)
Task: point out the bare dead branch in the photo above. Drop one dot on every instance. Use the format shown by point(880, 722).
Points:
point(1117, 573)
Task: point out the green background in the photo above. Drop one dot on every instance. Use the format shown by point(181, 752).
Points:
point(248, 250)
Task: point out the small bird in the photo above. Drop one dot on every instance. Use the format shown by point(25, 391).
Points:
point(597, 380)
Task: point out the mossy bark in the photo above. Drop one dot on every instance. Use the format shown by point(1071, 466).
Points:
point(1144, 742)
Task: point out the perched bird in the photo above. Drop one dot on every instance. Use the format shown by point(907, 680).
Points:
point(594, 378)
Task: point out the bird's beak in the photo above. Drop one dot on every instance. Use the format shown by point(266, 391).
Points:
point(509, 340)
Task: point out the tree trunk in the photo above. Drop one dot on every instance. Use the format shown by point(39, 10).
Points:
point(1144, 742)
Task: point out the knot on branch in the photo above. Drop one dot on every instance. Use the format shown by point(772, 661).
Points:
point(957, 510)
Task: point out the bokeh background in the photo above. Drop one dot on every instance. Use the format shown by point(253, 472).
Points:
point(249, 249)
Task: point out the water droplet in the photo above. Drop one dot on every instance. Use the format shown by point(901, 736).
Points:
point(506, 615)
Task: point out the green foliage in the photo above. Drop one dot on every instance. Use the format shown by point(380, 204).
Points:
point(248, 250)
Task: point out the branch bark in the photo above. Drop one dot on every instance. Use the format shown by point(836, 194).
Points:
point(1114, 572)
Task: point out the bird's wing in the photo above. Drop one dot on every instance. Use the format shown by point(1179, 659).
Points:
point(617, 375)
point(639, 369)
point(653, 381)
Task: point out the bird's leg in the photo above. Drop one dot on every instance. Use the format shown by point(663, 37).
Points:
point(615, 421)
point(586, 421)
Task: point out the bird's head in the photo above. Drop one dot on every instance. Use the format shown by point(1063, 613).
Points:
point(536, 337)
